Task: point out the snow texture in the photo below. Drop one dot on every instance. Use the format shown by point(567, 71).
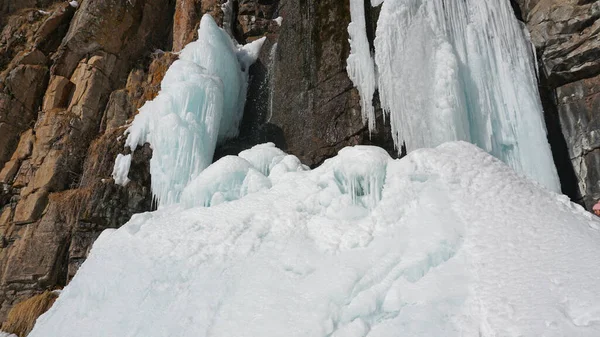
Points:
point(201, 103)
point(445, 242)
point(278, 20)
point(74, 4)
point(455, 70)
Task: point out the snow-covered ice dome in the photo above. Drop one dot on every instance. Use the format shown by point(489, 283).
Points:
point(445, 242)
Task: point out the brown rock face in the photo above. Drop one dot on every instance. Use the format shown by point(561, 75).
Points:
point(19, 103)
point(58, 93)
point(187, 18)
point(567, 36)
point(8, 7)
point(64, 98)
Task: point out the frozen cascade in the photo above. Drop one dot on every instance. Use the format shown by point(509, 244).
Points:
point(361, 68)
point(457, 70)
point(271, 75)
point(201, 103)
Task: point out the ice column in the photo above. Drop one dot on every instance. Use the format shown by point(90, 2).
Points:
point(460, 70)
point(200, 103)
point(360, 65)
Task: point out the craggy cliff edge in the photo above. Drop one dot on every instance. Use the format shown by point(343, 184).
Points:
point(71, 79)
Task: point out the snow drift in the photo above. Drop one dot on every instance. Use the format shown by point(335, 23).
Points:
point(445, 242)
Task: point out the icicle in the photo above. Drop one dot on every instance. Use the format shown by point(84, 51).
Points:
point(271, 75)
point(227, 10)
point(360, 65)
point(201, 102)
point(360, 172)
point(121, 169)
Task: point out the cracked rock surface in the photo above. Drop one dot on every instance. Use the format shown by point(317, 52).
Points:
point(61, 120)
point(566, 34)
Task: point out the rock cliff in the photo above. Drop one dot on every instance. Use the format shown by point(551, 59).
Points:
point(566, 34)
point(71, 79)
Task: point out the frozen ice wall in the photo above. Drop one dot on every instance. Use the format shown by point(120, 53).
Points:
point(457, 70)
point(200, 103)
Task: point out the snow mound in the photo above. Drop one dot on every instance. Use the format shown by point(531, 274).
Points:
point(121, 169)
point(445, 242)
point(228, 179)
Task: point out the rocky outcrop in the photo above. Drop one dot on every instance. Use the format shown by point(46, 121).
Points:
point(23, 316)
point(300, 96)
point(8, 7)
point(566, 34)
point(71, 79)
point(187, 19)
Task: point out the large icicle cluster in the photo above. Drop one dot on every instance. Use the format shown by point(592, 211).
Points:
point(200, 103)
point(456, 70)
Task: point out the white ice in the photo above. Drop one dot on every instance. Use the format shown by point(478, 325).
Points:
point(360, 64)
point(445, 242)
point(201, 103)
point(263, 157)
point(455, 70)
point(232, 177)
point(121, 169)
point(227, 9)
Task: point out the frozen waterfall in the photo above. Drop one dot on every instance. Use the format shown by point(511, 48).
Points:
point(455, 70)
point(201, 102)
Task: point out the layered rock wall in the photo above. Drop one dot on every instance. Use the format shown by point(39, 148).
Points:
point(66, 90)
point(566, 34)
